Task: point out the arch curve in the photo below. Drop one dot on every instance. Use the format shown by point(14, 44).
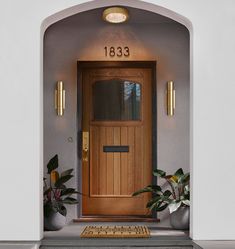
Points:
point(104, 3)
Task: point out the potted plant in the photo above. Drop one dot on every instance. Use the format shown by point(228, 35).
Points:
point(56, 196)
point(176, 197)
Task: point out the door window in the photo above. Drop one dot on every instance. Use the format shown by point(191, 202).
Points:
point(116, 100)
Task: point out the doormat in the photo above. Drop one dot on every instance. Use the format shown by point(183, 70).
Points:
point(115, 232)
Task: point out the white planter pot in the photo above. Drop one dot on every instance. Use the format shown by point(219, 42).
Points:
point(54, 222)
point(180, 218)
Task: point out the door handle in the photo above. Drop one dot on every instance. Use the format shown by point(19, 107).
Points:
point(85, 146)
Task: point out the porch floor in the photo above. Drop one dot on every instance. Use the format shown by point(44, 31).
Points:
point(69, 236)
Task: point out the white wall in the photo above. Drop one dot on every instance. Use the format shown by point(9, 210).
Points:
point(213, 142)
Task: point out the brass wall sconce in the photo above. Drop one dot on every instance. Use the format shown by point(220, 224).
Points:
point(60, 98)
point(170, 98)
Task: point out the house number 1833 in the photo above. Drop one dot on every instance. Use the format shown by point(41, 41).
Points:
point(117, 51)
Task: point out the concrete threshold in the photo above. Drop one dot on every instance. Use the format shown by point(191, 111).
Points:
point(69, 237)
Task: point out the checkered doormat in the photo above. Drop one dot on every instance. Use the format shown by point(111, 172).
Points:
point(115, 232)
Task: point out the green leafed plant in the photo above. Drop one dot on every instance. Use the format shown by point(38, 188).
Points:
point(177, 194)
point(56, 194)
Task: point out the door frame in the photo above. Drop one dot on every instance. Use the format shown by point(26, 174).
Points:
point(81, 65)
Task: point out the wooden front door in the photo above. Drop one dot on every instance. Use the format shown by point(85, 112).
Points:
point(117, 139)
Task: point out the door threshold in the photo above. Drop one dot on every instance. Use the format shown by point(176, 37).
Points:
point(116, 219)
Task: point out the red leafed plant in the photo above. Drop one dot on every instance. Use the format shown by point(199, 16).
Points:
point(56, 195)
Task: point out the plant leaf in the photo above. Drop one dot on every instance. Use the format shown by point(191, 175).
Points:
point(187, 192)
point(155, 200)
point(155, 188)
point(68, 191)
point(62, 180)
point(66, 172)
point(174, 206)
point(186, 202)
point(144, 190)
point(159, 172)
point(70, 200)
point(62, 186)
point(174, 178)
point(184, 179)
point(167, 193)
point(54, 176)
point(52, 164)
point(161, 208)
point(47, 191)
point(179, 173)
point(158, 206)
point(153, 206)
point(63, 210)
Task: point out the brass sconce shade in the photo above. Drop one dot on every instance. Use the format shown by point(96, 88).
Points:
point(60, 98)
point(115, 15)
point(170, 98)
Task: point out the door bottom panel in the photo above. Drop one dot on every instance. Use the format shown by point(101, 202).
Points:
point(116, 219)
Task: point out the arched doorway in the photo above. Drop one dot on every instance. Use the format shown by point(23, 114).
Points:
point(168, 68)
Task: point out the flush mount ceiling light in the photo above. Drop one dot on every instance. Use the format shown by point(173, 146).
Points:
point(115, 15)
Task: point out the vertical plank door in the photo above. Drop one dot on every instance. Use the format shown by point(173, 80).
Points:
point(117, 113)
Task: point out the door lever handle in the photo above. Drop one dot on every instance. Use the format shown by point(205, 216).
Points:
point(85, 146)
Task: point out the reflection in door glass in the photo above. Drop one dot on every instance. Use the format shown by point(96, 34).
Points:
point(116, 100)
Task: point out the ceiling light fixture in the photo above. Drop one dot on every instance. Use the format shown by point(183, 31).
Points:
point(116, 15)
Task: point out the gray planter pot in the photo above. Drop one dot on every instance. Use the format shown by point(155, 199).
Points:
point(180, 218)
point(54, 222)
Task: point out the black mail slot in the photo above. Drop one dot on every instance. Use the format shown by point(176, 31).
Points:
point(116, 148)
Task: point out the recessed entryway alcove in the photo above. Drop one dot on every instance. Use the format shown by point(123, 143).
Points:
point(84, 37)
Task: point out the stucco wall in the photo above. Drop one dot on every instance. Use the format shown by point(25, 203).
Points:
point(211, 116)
point(69, 41)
